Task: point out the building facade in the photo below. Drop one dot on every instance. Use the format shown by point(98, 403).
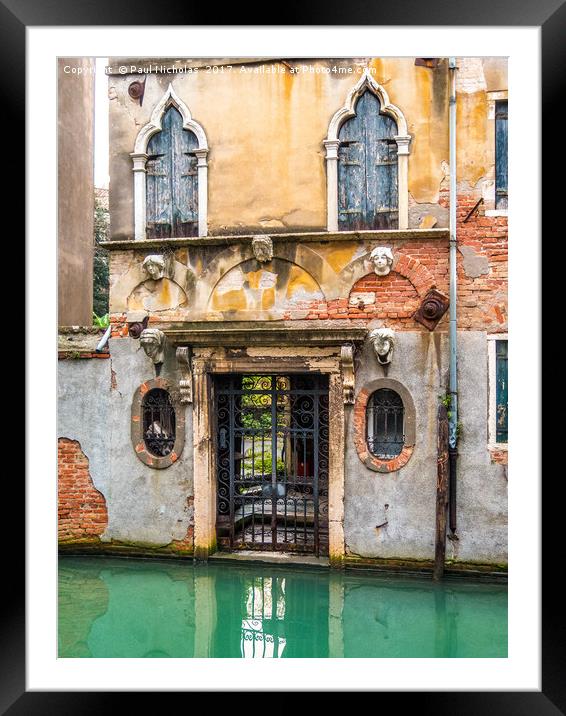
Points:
point(279, 303)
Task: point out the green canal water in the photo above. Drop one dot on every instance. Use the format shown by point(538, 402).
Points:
point(135, 608)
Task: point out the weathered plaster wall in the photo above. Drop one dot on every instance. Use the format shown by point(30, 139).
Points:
point(482, 484)
point(404, 502)
point(75, 195)
point(146, 507)
point(311, 280)
point(267, 168)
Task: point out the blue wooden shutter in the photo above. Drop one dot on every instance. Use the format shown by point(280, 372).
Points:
point(367, 169)
point(501, 155)
point(172, 181)
point(501, 385)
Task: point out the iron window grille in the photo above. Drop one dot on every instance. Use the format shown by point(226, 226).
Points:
point(385, 415)
point(158, 422)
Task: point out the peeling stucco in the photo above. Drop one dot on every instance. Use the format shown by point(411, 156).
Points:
point(474, 264)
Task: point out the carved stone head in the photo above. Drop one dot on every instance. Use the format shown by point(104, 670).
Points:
point(153, 342)
point(154, 266)
point(382, 259)
point(382, 340)
point(262, 246)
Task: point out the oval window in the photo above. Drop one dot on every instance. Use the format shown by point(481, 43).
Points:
point(158, 422)
point(385, 413)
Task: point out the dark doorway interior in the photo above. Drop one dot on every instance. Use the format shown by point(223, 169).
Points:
point(272, 462)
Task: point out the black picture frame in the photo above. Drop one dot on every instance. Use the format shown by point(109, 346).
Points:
point(550, 16)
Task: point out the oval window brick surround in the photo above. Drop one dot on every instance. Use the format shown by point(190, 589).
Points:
point(157, 424)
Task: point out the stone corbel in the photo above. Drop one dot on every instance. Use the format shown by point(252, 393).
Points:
point(348, 377)
point(186, 381)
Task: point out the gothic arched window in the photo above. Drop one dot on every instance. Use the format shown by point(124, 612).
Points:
point(172, 180)
point(170, 173)
point(367, 169)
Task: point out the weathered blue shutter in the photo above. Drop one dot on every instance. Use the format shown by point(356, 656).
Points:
point(501, 155)
point(172, 182)
point(501, 385)
point(367, 169)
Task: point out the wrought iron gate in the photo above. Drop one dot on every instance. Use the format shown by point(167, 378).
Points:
point(272, 462)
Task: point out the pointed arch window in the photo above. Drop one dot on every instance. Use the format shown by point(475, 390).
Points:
point(367, 169)
point(367, 151)
point(170, 173)
point(172, 180)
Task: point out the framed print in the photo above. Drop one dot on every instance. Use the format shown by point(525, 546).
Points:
point(276, 424)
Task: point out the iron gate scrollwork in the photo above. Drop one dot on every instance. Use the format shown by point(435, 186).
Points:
point(272, 462)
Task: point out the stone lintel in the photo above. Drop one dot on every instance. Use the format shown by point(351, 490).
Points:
point(228, 333)
point(308, 236)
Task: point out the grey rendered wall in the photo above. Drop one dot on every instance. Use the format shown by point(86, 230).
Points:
point(146, 506)
point(406, 500)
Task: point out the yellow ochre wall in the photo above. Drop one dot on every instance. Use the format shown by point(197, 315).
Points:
point(265, 127)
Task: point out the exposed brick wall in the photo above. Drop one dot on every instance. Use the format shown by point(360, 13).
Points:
point(482, 301)
point(82, 508)
point(77, 355)
point(395, 297)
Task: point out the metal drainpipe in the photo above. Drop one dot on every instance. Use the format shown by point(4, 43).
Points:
point(104, 340)
point(453, 420)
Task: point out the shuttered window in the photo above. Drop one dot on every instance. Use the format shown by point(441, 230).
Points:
point(501, 154)
point(172, 180)
point(367, 169)
point(501, 385)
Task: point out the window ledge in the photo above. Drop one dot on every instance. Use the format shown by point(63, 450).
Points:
point(497, 212)
point(297, 236)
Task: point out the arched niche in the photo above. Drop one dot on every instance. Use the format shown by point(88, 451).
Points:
point(268, 291)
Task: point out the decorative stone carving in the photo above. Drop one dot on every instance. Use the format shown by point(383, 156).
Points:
point(434, 305)
point(348, 375)
point(382, 340)
point(153, 342)
point(155, 267)
point(262, 246)
point(186, 382)
point(382, 259)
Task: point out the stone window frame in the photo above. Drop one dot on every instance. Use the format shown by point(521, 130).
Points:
point(492, 443)
point(138, 441)
point(332, 142)
point(489, 191)
point(140, 157)
point(372, 462)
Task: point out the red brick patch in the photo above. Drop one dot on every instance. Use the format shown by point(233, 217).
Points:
point(82, 508)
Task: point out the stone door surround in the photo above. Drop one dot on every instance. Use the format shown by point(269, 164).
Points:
point(208, 361)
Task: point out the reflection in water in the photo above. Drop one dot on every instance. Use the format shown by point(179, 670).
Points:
point(265, 609)
point(128, 608)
